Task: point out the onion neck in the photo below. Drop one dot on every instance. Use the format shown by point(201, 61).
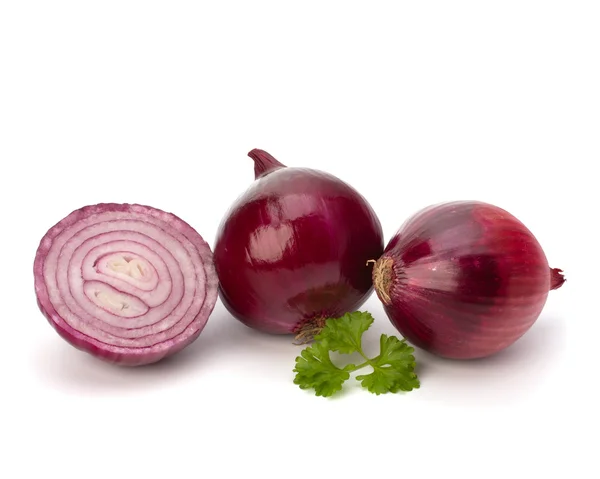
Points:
point(264, 163)
point(556, 278)
point(382, 278)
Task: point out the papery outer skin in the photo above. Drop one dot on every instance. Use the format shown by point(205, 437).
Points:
point(469, 279)
point(196, 317)
point(294, 247)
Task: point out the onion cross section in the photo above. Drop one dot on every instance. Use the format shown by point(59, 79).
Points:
point(130, 284)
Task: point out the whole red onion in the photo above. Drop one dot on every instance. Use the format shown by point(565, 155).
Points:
point(129, 284)
point(464, 279)
point(292, 250)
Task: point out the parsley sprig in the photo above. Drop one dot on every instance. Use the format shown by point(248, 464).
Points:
point(393, 368)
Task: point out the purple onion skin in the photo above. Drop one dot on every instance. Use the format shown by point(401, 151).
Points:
point(464, 279)
point(96, 337)
point(293, 249)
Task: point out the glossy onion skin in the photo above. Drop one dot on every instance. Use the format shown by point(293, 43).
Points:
point(174, 289)
point(294, 248)
point(467, 279)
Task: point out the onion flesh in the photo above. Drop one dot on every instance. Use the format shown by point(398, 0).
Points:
point(292, 251)
point(464, 279)
point(129, 284)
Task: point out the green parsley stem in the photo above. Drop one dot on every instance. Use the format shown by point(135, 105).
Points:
point(366, 363)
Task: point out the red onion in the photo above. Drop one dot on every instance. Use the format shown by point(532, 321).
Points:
point(464, 279)
point(129, 284)
point(292, 250)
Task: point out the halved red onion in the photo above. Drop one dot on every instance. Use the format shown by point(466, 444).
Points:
point(130, 284)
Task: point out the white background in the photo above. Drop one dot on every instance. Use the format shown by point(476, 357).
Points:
point(412, 103)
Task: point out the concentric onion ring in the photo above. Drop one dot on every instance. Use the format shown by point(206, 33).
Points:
point(130, 284)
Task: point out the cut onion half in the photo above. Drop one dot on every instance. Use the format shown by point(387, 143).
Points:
point(127, 283)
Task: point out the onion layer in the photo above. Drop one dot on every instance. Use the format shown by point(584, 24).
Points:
point(464, 279)
point(292, 250)
point(129, 284)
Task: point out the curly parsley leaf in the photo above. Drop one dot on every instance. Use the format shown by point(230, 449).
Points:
point(344, 334)
point(393, 368)
point(314, 369)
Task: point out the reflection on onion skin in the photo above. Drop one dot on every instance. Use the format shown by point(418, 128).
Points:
point(464, 279)
point(294, 247)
